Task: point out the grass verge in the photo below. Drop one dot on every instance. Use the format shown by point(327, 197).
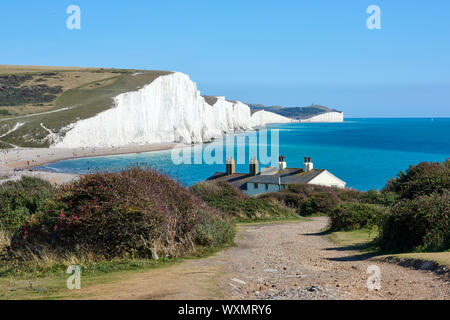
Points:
point(38, 282)
point(361, 240)
point(274, 220)
point(48, 281)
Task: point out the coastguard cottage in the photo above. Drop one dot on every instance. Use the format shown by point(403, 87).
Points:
point(273, 179)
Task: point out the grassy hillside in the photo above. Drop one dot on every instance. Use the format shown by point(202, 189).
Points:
point(295, 112)
point(56, 97)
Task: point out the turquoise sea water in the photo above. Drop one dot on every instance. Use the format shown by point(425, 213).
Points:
point(363, 152)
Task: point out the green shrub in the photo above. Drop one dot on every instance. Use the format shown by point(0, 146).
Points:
point(294, 200)
point(421, 224)
point(381, 198)
point(130, 213)
point(348, 195)
point(238, 205)
point(40, 93)
point(321, 203)
point(302, 189)
point(353, 216)
point(14, 80)
point(423, 179)
point(308, 190)
point(19, 200)
point(309, 200)
point(286, 198)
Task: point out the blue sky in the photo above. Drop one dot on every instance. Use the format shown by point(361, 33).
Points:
point(289, 52)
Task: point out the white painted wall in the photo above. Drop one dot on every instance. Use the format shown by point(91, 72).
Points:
point(327, 179)
point(324, 179)
point(253, 191)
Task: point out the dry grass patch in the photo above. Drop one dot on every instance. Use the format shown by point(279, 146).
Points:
point(13, 69)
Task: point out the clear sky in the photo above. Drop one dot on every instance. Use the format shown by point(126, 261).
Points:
point(285, 52)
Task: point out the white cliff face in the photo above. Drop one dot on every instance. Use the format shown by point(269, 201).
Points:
point(231, 116)
point(326, 117)
point(262, 117)
point(170, 109)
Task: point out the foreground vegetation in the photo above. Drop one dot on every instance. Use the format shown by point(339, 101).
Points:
point(412, 213)
point(111, 223)
point(102, 218)
point(139, 218)
point(408, 219)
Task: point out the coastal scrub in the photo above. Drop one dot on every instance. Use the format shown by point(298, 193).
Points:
point(134, 213)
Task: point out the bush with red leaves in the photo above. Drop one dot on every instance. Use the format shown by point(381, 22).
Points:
point(133, 212)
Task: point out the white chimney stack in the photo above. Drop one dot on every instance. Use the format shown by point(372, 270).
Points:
point(281, 163)
point(308, 165)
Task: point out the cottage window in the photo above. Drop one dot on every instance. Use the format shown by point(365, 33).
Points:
point(267, 186)
point(256, 186)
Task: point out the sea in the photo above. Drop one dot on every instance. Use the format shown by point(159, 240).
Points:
point(365, 153)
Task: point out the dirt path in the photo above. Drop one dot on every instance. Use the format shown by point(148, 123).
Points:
point(276, 261)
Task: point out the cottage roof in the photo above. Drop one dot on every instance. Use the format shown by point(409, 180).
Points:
point(286, 176)
point(239, 180)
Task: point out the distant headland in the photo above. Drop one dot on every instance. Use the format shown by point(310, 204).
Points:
point(312, 113)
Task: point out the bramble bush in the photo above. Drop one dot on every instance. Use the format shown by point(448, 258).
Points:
point(385, 198)
point(137, 211)
point(353, 216)
point(20, 199)
point(421, 224)
point(424, 179)
point(130, 213)
point(308, 200)
point(321, 203)
point(421, 220)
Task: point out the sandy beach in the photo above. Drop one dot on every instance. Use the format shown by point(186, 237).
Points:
point(15, 163)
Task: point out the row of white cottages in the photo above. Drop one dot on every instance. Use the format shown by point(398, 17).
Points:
point(273, 179)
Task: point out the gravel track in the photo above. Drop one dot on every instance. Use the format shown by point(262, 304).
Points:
point(288, 260)
point(296, 261)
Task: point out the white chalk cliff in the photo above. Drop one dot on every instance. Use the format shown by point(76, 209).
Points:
point(326, 117)
point(262, 118)
point(170, 109)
